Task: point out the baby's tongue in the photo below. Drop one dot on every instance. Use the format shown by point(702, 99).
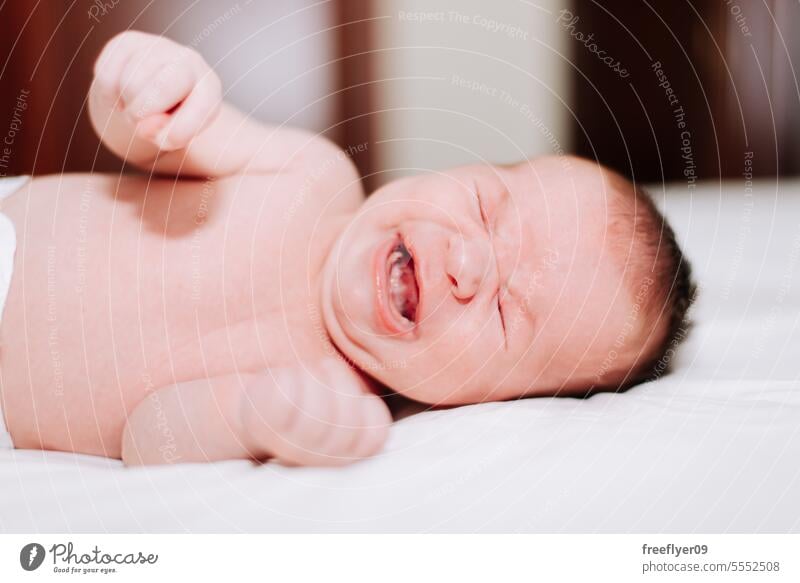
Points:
point(402, 283)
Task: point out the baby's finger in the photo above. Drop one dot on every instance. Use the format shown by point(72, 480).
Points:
point(109, 66)
point(272, 408)
point(286, 418)
point(169, 87)
point(138, 75)
point(342, 441)
point(304, 441)
point(194, 114)
point(340, 377)
point(376, 420)
point(367, 419)
point(148, 128)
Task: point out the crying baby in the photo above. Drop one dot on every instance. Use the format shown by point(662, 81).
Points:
point(243, 299)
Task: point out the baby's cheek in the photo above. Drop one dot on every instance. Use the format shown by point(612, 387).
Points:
point(476, 338)
point(457, 352)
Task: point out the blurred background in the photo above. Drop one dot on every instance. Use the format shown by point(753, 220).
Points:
point(673, 90)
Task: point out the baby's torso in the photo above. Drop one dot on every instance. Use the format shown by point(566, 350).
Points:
point(124, 285)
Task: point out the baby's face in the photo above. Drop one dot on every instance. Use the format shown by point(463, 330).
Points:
point(481, 283)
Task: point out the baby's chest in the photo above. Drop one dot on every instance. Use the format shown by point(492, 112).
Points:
point(276, 339)
point(243, 285)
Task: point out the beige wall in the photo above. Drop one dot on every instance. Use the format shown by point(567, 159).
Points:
point(469, 80)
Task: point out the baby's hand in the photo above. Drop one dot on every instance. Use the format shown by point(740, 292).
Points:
point(321, 418)
point(166, 90)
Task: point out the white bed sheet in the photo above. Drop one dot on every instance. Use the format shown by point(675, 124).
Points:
point(714, 447)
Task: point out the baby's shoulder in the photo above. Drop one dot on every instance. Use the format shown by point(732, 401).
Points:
point(318, 174)
point(327, 172)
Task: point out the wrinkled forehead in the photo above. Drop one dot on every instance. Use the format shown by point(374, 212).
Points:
point(561, 201)
point(561, 181)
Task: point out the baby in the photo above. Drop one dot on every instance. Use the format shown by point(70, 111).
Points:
point(242, 299)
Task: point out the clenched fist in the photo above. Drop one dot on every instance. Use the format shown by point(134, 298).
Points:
point(324, 417)
point(166, 90)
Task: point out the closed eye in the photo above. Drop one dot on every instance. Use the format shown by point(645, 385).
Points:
point(485, 220)
point(483, 213)
point(502, 318)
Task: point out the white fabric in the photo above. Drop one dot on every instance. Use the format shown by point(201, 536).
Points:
point(714, 447)
point(11, 184)
point(8, 246)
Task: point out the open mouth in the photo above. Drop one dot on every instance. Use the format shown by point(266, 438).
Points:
point(402, 283)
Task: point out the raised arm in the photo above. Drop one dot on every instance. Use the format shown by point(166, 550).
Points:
point(158, 105)
point(325, 418)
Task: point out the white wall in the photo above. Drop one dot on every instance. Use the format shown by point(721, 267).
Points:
point(513, 109)
point(261, 46)
point(267, 52)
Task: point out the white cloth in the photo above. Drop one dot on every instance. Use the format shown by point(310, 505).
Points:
point(8, 246)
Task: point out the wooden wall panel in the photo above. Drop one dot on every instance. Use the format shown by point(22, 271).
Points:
point(709, 84)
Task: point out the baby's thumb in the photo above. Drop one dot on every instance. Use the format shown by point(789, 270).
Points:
point(149, 128)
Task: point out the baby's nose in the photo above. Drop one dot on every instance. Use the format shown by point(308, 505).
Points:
point(467, 265)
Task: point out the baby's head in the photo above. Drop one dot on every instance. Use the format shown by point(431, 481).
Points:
point(553, 276)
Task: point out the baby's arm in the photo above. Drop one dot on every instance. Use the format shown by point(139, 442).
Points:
point(158, 105)
point(327, 418)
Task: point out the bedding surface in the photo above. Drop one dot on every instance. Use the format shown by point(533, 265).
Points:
point(712, 447)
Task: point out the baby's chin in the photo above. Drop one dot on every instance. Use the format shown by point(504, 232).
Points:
point(443, 393)
point(398, 378)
